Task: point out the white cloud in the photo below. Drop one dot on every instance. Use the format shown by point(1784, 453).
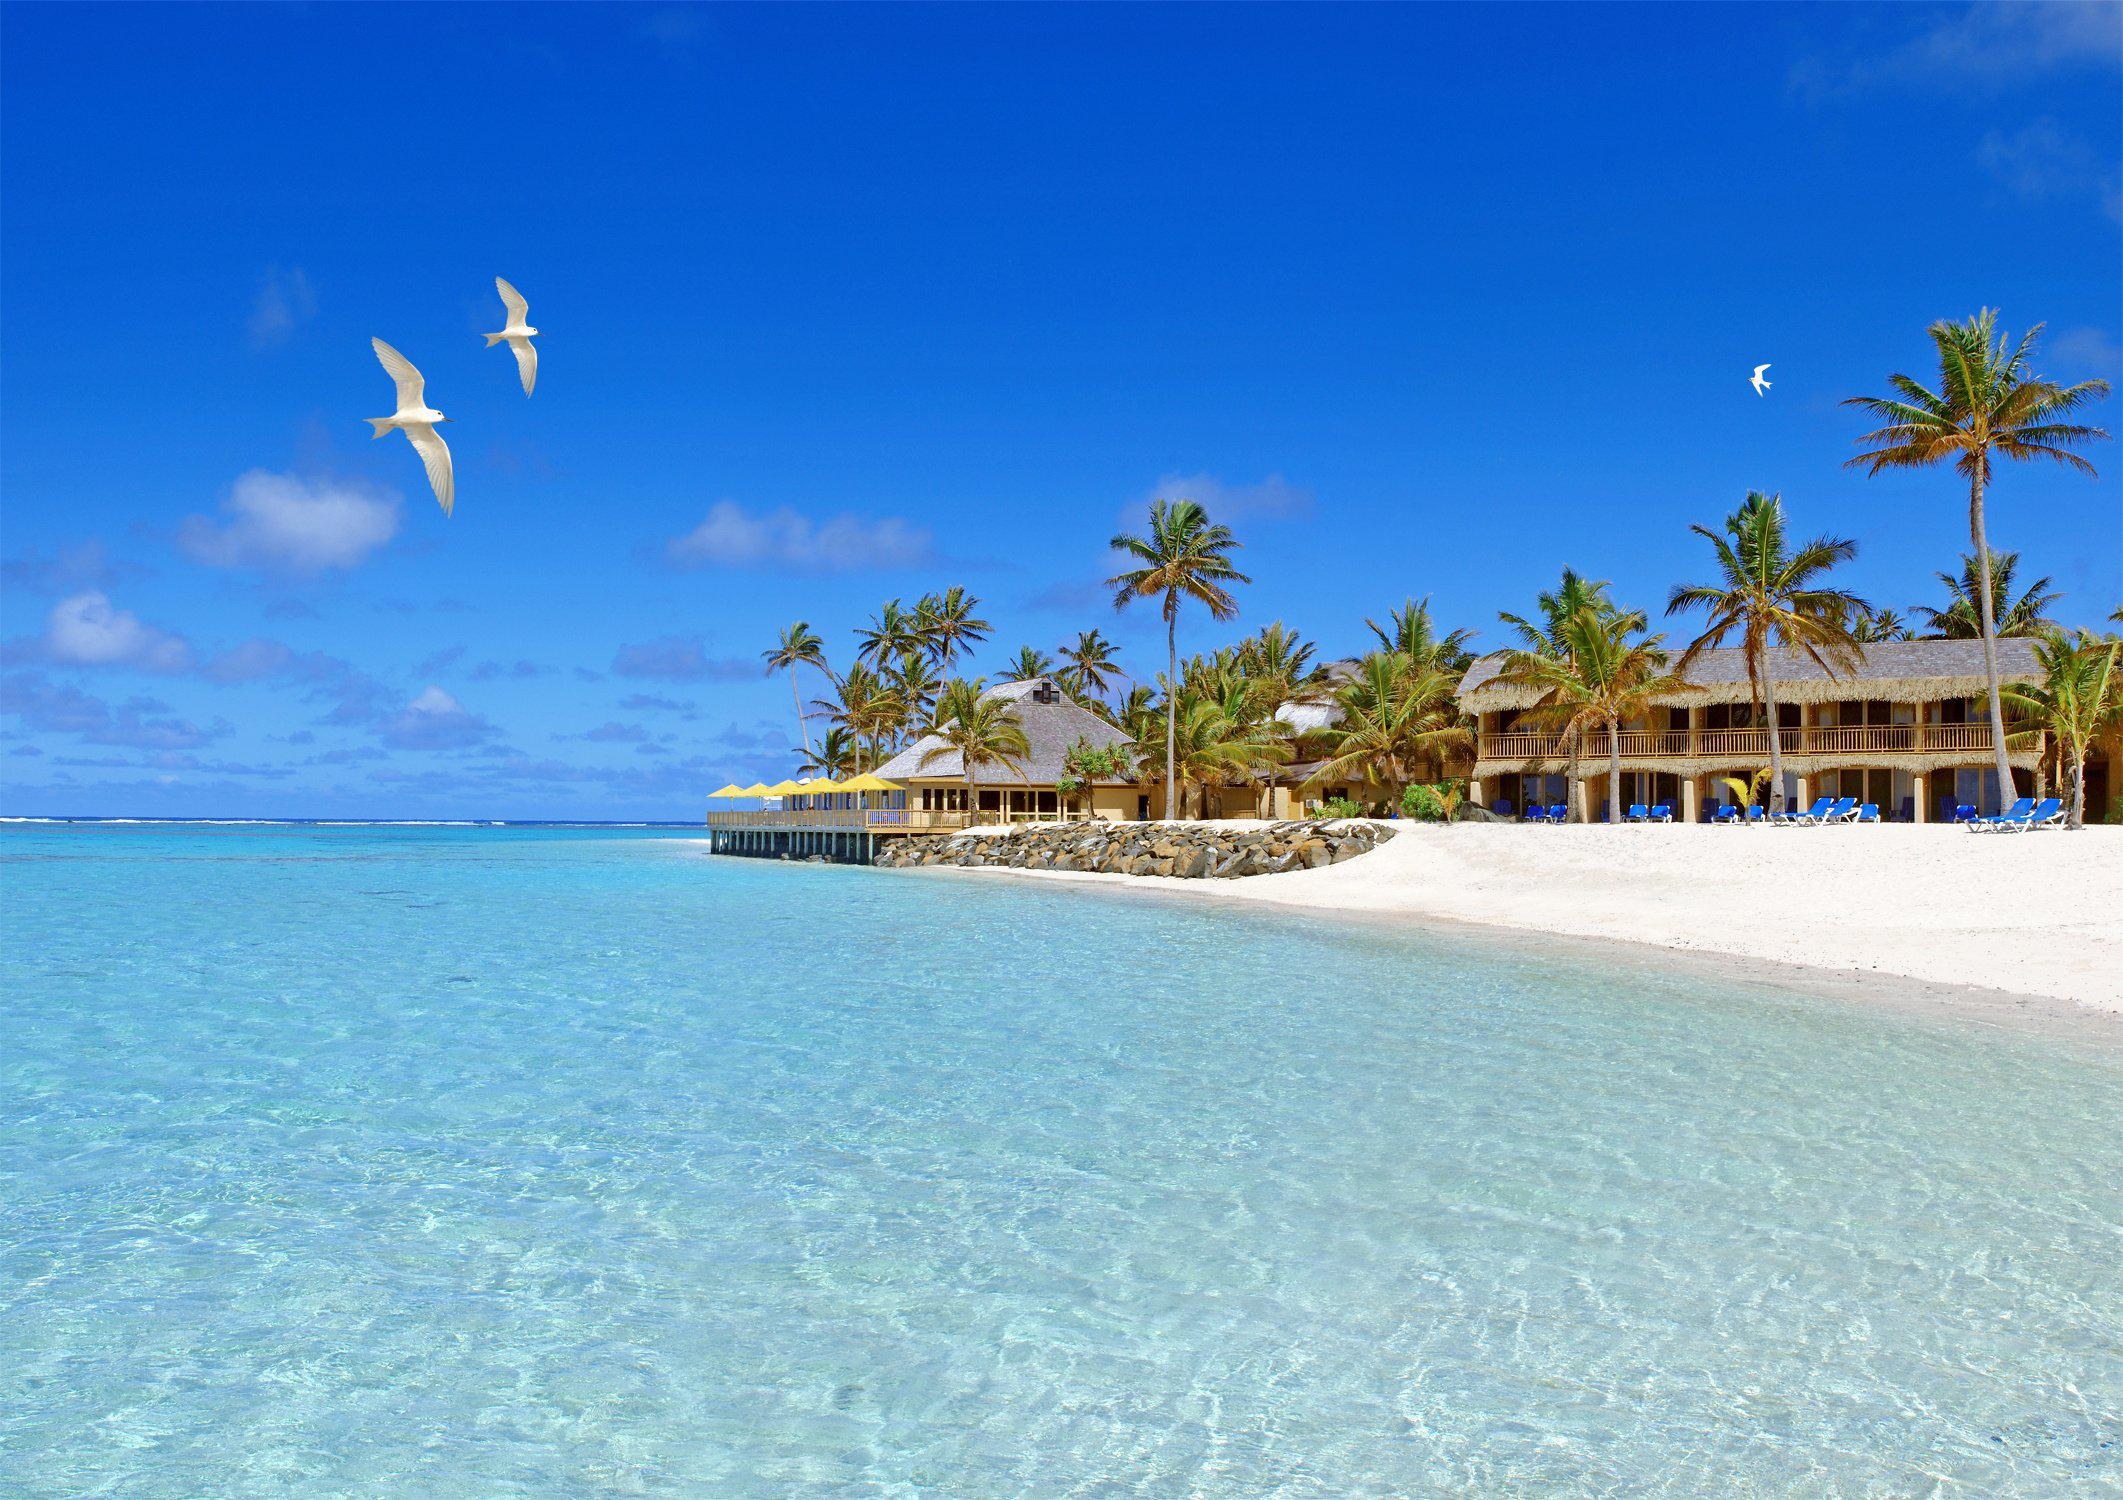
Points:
point(87, 630)
point(2087, 350)
point(1272, 499)
point(732, 537)
point(1998, 44)
point(435, 721)
point(284, 303)
point(281, 522)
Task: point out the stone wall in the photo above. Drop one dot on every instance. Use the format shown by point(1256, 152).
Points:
point(1191, 851)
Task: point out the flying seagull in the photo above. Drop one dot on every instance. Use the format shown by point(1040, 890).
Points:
point(518, 333)
point(416, 419)
point(1761, 386)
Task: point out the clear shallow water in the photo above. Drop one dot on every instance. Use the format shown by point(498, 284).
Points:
point(492, 1162)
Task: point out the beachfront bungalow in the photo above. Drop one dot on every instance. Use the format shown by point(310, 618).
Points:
point(1053, 723)
point(1908, 730)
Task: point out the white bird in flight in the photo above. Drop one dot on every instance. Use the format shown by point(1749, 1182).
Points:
point(1761, 386)
point(519, 333)
point(416, 419)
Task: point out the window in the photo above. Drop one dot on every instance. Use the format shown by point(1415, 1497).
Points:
point(1046, 692)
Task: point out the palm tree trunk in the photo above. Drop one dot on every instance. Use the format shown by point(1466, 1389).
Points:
point(1172, 712)
point(1990, 636)
point(1776, 744)
point(1573, 789)
point(803, 726)
point(1614, 770)
point(2078, 791)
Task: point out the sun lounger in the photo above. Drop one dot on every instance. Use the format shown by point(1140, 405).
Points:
point(1964, 812)
point(1756, 818)
point(1725, 814)
point(2048, 813)
point(2012, 817)
point(1868, 812)
point(1502, 807)
point(1536, 814)
point(1842, 810)
point(1661, 813)
point(1638, 813)
point(1558, 812)
point(1813, 814)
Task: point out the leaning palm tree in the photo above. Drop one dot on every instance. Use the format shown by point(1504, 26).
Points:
point(1090, 665)
point(868, 708)
point(983, 732)
point(798, 644)
point(891, 634)
point(2078, 701)
point(916, 683)
point(1185, 556)
point(1770, 593)
point(1962, 618)
point(834, 757)
point(1988, 402)
point(1609, 672)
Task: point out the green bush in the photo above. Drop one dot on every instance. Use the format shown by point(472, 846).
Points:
point(1341, 807)
point(1431, 803)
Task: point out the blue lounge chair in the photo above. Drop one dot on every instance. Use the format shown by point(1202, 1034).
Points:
point(1558, 812)
point(1813, 814)
point(1726, 813)
point(1502, 807)
point(1536, 814)
point(1964, 812)
point(2048, 813)
point(1661, 812)
point(1756, 818)
point(1638, 813)
point(1868, 812)
point(1842, 810)
point(2013, 816)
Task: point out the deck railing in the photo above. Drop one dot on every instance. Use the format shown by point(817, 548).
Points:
point(1659, 744)
point(858, 820)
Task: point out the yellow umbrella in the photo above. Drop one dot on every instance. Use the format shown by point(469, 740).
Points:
point(781, 789)
point(757, 789)
point(732, 790)
point(825, 784)
point(869, 783)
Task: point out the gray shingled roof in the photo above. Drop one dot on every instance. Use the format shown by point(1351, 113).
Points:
point(1891, 669)
point(1051, 729)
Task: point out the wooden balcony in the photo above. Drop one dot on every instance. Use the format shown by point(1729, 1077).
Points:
point(1746, 744)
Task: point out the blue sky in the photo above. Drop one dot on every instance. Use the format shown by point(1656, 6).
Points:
point(843, 305)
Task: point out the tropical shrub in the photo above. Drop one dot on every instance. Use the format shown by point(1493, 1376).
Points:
point(1341, 807)
point(1432, 802)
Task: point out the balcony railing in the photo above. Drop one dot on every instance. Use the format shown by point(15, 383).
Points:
point(1657, 744)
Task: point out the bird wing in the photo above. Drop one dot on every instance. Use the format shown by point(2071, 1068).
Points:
point(526, 363)
point(519, 310)
point(1758, 369)
point(412, 387)
point(435, 453)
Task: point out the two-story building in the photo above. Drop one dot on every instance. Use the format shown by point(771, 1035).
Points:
point(1907, 729)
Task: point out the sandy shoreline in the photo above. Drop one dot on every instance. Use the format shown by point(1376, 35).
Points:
point(1999, 926)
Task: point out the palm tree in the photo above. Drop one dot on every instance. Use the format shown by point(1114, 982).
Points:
point(891, 634)
point(1410, 631)
point(1771, 594)
point(1604, 676)
point(798, 644)
point(1185, 556)
point(1030, 662)
point(1962, 618)
point(916, 683)
point(1399, 717)
point(2079, 699)
point(948, 626)
point(1574, 595)
point(982, 732)
point(1092, 663)
point(868, 708)
point(834, 757)
point(1878, 625)
point(1988, 402)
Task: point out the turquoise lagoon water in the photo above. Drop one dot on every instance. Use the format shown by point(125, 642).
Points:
point(492, 1162)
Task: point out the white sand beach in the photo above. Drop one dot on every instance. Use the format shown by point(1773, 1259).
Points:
point(2029, 914)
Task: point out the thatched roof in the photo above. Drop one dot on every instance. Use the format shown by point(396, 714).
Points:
point(1892, 672)
point(1051, 730)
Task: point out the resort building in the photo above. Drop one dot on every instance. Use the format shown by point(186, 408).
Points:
point(1908, 730)
point(1054, 724)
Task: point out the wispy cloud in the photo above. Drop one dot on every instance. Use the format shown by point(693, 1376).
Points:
point(435, 721)
point(1271, 499)
point(87, 630)
point(2087, 351)
point(678, 658)
point(283, 523)
point(2044, 162)
point(138, 723)
point(733, 537)
point(85, 565)
point(285, 302)
point(1994, 44)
